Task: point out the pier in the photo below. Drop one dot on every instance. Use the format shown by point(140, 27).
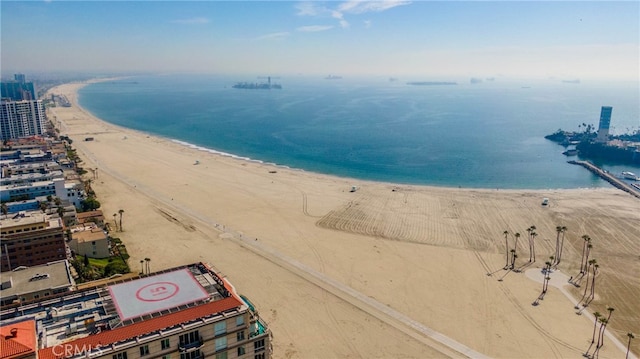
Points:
point(616, 182)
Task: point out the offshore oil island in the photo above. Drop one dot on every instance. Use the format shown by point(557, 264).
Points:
point(258, 86)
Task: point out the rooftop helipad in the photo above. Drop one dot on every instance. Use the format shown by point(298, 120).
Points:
point(156, 293)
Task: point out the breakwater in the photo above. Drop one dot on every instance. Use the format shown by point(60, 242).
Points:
point(605, 175)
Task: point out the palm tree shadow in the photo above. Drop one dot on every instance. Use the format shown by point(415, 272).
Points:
point(540, 297)
point(508, 271)
point(522, 267)
point(489, 274)
point(577, 281)
point(584, 305)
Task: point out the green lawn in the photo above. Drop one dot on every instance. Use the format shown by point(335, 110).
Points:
point(97, 262)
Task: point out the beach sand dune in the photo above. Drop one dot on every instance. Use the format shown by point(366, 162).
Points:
point(379, 272)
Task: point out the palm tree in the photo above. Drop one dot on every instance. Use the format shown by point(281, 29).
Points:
point(114, 221)
point(603, 328)
point(589, 247)
point(148, 260)
point(610, 310)
point(591, 262)
point(597, 316)
point(141, 266)
point(531, 232)
point(600, 343)
point(563, 229)
point(515, 248)
point(631, 336)
point(586, 258)
point(593, 280)
point(5, 209)
point(533, 244)
point(586, 240)
point(121, 211)
point(558, 230)
point(506, 246)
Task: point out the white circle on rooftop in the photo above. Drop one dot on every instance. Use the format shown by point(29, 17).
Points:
point(157, 291)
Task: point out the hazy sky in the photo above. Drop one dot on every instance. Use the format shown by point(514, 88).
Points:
point(567, 40)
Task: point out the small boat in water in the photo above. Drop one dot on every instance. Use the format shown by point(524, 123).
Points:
point(630, 175)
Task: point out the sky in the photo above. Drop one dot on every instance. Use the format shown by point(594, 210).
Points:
point(433, 39)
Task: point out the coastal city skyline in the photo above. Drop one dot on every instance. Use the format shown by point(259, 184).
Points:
point(339, 179)
point(564, 40)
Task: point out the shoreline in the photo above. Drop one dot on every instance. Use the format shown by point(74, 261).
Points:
point(422, 251)
point(364, 178)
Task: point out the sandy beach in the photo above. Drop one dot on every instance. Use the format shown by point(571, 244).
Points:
point(387, 271)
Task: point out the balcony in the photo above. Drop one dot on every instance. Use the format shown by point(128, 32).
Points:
point(259, 329)
point(192, 346)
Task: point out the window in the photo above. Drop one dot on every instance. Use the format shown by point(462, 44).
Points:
point(240, 351)
point(220, 328)
point(165, 343)
point(259, 356)
point(221, 343)
point(240, 336)
point(188, 338)
point(122, 355)
point(191, 355)
point(239, 321)
point(144, 350)
point(258, 345)
point(168, 356)
point(221, 355)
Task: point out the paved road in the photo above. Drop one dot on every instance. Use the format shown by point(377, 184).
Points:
point(561, 281)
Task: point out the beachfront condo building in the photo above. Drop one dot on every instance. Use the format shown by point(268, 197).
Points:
point(58, 187)
point(89, 240)
point(21, 119)
point(187, 312)
point(29, 239)
point(18, 89)
point(603, 126)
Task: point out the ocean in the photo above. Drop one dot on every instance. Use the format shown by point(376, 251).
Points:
point(483, 135)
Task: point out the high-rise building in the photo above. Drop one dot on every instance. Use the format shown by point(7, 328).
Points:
point(188, 312)
point(20, 78)
point(21, 118)
point(603, 126)
point(19, 89)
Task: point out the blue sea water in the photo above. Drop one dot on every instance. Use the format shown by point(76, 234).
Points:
point(486, 135)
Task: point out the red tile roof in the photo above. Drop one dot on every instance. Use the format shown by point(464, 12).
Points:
point(22, 344)
point(108, 337)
